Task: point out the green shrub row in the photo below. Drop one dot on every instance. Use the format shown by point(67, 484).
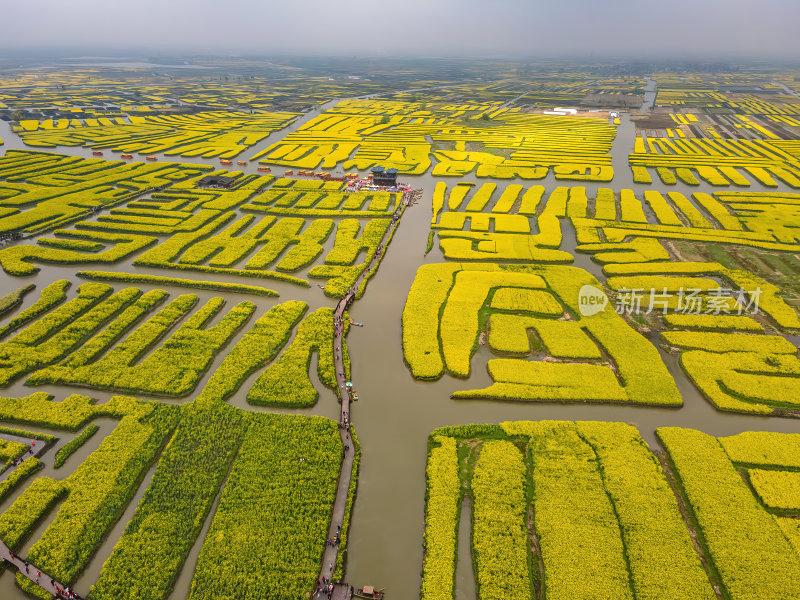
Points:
point(12, 300)
point(9, 450)
point(338, 572)
point(28, 467)
point(286, 382)
point(69, 244)
point(174, 368)
point(99, 490)
point(53, 295)
point(70, 447)
point(45, 437)
point(150, 554)
point(221, 286)
point(269, 529)
point(19, 520)
point(39, 409)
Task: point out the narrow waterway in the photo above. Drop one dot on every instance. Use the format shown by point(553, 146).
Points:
point(649, 95)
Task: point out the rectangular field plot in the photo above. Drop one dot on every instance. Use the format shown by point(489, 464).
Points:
point(207, 134)
point(359, 134)
point(126, 340)
point(247, 230)
point(568, 510)
point(194, 450)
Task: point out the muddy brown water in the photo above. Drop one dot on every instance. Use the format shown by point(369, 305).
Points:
point(395, 414)
point(385, 544)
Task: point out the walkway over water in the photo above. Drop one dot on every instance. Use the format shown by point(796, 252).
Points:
point(43, 580)
point(342, 591)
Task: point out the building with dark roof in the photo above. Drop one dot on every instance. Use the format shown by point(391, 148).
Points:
point(219, 181)
point(384, 177)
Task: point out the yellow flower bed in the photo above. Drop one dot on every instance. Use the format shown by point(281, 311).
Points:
point(442, 505)
point(208, 134)
point(499, 533)
point(750, 553)
point(445, 314)
point(778, 490)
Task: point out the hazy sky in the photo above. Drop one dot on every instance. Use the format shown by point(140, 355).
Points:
point(525, 28)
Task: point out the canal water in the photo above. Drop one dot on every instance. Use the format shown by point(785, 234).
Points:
point(395, 413)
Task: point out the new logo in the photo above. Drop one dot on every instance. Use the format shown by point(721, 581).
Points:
point(591, 300)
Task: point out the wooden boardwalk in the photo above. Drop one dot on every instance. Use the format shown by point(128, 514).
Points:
point(342, 591)
point(35, 450)
point(43, 580)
